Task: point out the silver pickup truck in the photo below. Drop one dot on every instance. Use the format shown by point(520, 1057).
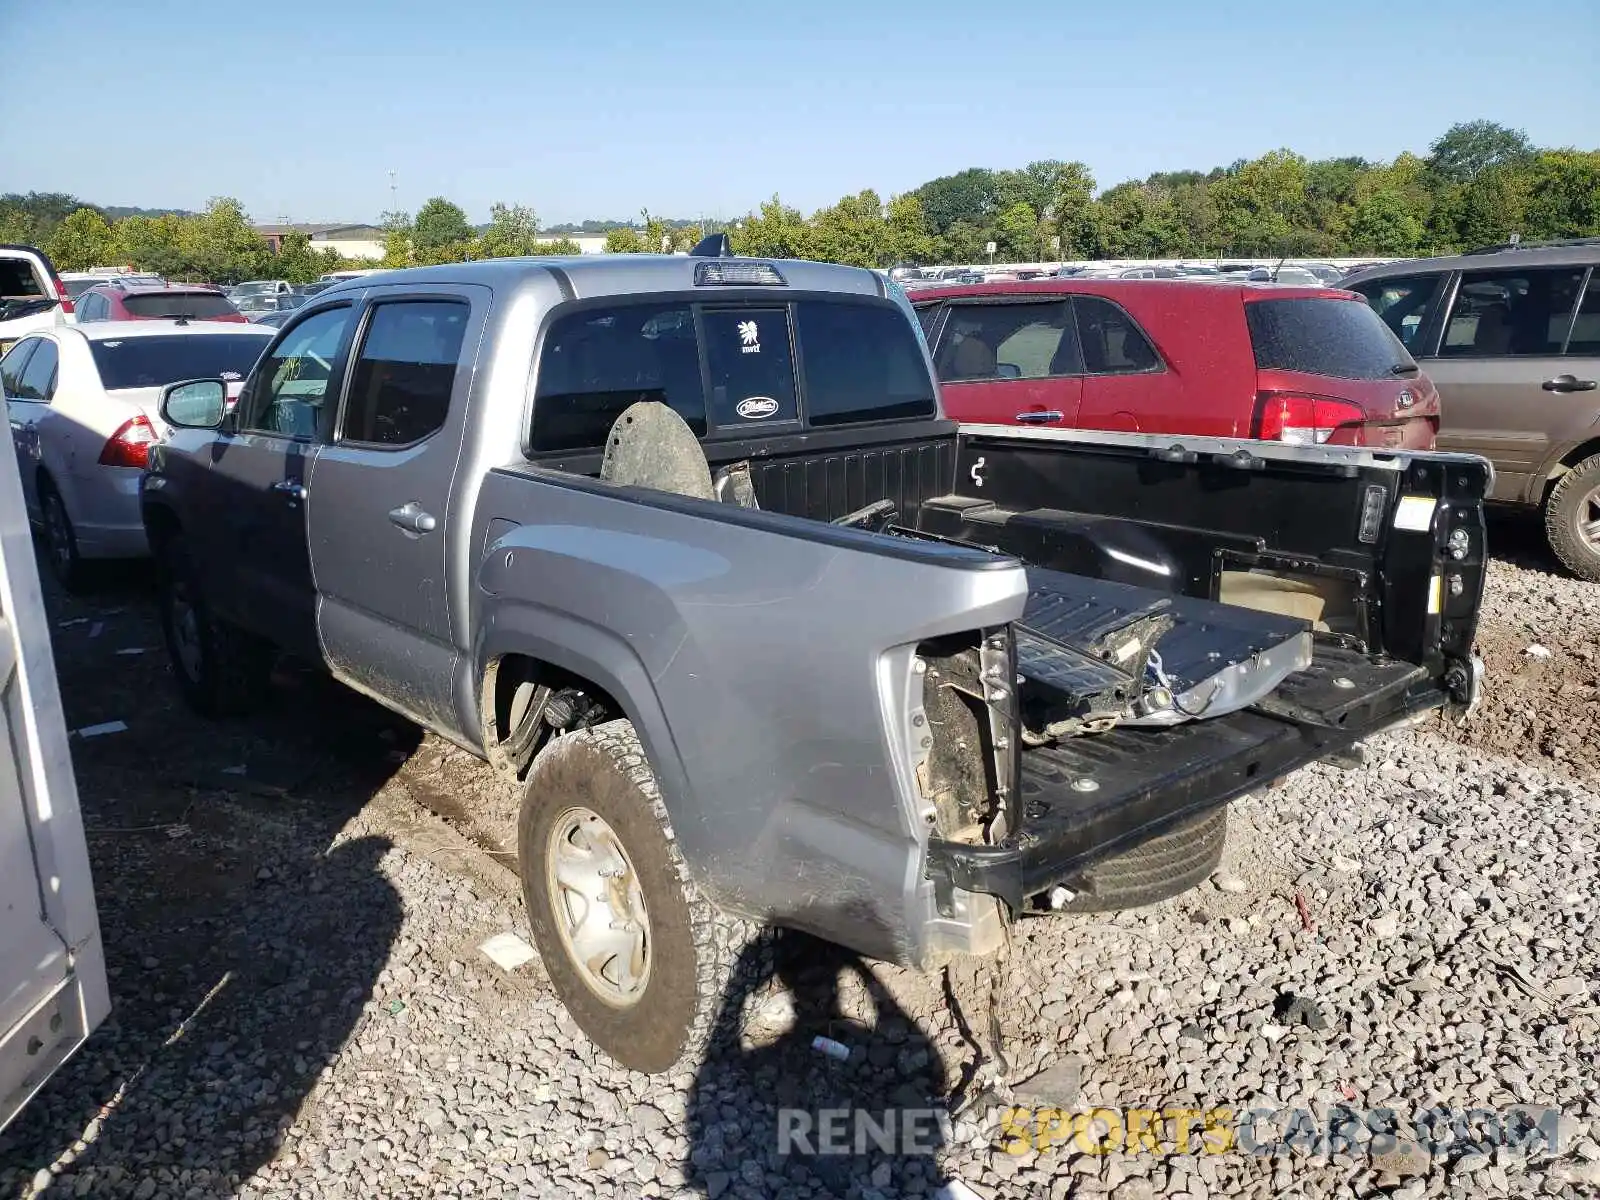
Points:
point(685, 545)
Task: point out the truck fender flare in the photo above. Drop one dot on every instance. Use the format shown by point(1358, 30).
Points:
point(606, 660)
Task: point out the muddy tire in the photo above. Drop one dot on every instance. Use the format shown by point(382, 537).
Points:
point(221, 669)
point(1572, 519)
point(1159, 869)
point(597, 855)
point(61, 541)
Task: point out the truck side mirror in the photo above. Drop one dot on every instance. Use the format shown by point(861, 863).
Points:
point(194, 403)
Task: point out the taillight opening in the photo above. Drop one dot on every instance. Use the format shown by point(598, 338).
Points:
point(130, 445)
point(65, 297)
point(1299, 419)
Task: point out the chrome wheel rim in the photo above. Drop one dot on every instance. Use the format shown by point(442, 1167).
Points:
point(58, 535)
point(186, 636)
point(599, 907)
point(1589, 521)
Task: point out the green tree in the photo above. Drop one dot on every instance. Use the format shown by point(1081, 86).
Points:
point(1073, 211)
point(560, 247)
point(297, 262)
point(1563, 194)
point(909, 238)
point(513, 230)
point(853, 231)
point(1262, 204)
point(439, 224)
point(1484, 212)
point(221, 245)
point(774, 231)
point(684, 238)
point(965, 198)
point(1017, 233)
point(82, 240)
point(1466, 150)
point(1383, 223)
point(397, 250)
point(624, 240)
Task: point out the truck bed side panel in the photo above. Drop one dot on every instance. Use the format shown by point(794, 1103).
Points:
point(756, 653)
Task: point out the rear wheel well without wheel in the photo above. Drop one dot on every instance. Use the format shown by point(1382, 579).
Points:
point(524, 701)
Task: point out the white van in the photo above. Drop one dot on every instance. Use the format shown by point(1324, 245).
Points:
point(53, 989)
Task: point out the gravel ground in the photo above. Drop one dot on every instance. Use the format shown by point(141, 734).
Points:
point(302, 1009)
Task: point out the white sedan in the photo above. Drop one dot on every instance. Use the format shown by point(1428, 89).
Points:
point(83, 405)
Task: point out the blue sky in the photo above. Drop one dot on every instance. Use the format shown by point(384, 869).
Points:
point(301, 109)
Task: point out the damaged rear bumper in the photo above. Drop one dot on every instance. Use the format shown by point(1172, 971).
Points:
point(1082, 799)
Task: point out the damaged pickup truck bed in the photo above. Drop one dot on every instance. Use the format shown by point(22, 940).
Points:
point(686, 545)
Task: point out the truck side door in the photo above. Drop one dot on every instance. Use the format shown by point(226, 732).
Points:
point(380, 498)
point(1010, 360)
point(252, 538)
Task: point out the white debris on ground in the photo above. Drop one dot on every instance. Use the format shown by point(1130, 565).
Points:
point(1417, 931)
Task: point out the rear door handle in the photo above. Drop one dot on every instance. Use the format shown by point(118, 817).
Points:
point(412, 519)
point(1041, 418)
point(292, 488)
point(1569, 383)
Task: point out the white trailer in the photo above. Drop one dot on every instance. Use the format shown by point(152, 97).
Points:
point(53, 989)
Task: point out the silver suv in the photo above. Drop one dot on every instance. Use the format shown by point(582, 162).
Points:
point(1511, 337)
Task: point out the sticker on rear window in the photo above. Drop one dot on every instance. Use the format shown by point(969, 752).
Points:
point(754, 408)
point(750, 337)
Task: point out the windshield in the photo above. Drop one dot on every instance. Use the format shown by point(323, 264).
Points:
point(179, 304)
point(255, 288)
point(138, 362)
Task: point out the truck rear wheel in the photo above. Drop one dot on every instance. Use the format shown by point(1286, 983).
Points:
point(1163, 867)
point(221, 670)
point(637, 955)
point(1572, 519)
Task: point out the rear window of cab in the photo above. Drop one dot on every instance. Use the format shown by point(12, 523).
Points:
point(729, 369)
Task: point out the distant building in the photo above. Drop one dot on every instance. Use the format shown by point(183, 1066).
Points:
point(349, 241)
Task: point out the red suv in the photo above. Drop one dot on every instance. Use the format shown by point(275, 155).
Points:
point(1289, 364)
point(109, 302)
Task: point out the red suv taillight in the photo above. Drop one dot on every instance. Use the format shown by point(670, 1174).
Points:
point(130, 444)
point(1307, 420)
point(65, 297)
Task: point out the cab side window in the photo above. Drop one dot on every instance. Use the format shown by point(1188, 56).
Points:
point(1007, 341)
point(405, 371)
point(1498, 314)
point(1402, 304)
point(1113, 343)
point(38, 381)
point(14, 363)
point(288, 390)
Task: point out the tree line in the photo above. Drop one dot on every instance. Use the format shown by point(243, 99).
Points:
point(1479, 183)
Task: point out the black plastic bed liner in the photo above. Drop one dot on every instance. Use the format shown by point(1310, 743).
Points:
point(1084, 798)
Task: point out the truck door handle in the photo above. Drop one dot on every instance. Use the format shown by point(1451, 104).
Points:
point(412, 519)
point(292, 488)
point(1041, 418)
point(1568, 383)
